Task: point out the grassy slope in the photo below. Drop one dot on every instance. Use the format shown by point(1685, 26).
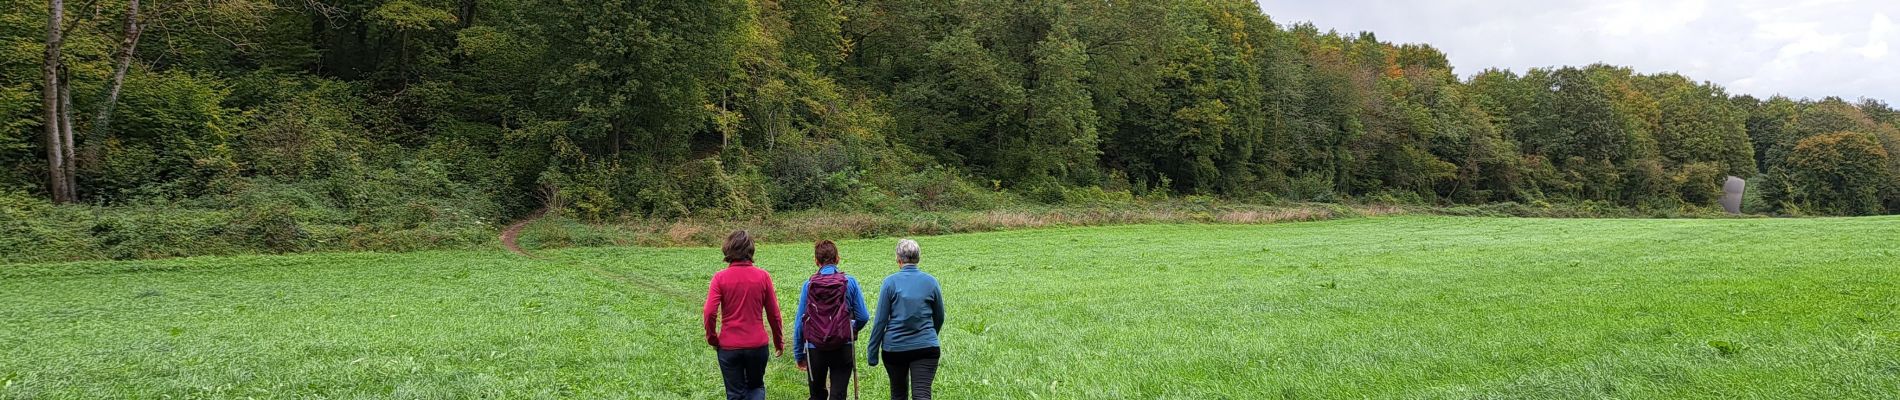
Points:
point(1377, 307)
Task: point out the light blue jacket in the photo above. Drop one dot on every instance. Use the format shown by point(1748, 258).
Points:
point(909, 313)
point(859, 315)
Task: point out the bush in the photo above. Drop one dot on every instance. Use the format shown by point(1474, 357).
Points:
point(1753, 199)
point(413, 206)
point(32, 229)
point(938, 188)
point(1700, 183)
point(705, 188)
point(1396, 197)
point(272, 215)
point(20, 159)
point(141, 232)
point(807, 174)
point(1311, 187)
point(1095, 196)
point(172, 128)
point(708, 188)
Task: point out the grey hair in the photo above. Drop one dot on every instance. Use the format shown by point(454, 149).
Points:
point(907, 251)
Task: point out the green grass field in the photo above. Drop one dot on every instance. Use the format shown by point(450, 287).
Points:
point(1390, 307)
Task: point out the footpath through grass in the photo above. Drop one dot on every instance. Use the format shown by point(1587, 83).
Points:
point(1398, 307)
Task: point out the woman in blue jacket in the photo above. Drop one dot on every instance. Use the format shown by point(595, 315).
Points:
point(828, 304)
point(909, 316)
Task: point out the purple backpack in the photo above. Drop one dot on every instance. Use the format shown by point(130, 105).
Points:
point(827, 320)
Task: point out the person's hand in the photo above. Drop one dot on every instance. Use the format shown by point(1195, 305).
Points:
point(780, 352)
point(802, 367)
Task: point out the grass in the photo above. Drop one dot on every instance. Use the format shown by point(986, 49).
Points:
point(1383, 307)
point(558, 231)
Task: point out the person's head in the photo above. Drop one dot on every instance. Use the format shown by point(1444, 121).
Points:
point(825, 252)
point(907, 252)
point(738, 247)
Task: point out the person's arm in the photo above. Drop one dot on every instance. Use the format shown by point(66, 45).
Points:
point(936, 307)
point(883, 319)
point(798, 323)
point(772, 315)
point(710, 316)
point(859, 314)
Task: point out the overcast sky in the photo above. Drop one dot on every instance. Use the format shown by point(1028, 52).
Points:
point(1798, 48)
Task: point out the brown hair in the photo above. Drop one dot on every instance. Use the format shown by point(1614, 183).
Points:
point(738, 246)
point(826, 252)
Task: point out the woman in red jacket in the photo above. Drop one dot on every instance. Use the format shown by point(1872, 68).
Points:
point(737, 297)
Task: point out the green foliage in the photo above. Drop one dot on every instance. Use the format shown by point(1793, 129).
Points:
point(32, 229)
point(935, 189)
point(173, 139)
point(407, 115)
point(404, 15)
point(1841, 173)
point(18, 107)
point(807, 173)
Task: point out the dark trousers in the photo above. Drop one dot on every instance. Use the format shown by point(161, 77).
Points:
point(911, 372)
point(833, 367)
point(744, 373)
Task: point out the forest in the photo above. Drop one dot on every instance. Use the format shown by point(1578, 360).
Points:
point(282, 125)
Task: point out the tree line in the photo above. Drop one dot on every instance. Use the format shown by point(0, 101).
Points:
point(409, 110)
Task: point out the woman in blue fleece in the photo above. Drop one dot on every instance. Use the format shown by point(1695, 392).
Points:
point(909, 315)
point(829, 367)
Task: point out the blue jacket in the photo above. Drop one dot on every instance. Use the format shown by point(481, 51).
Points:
point(858, 314)
point(909, 313)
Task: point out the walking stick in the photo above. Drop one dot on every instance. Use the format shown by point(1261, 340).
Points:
point(854, 384)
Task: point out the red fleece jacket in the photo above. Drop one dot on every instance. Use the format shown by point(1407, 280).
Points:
point(733, 302)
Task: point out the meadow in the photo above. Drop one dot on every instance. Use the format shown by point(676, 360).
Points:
point(1379, 307)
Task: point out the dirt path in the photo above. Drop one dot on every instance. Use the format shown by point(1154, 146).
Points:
point(513, 232)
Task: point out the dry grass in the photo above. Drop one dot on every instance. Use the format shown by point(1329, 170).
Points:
point(811, 226)
point(1262, 217)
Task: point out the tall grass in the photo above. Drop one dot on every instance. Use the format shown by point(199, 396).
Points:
point(558, 231)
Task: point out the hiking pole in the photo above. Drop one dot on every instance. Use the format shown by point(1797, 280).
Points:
point(854, 384)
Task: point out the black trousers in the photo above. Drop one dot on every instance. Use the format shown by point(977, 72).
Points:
point(832, 367)
point(744, 373)
point(911, 372)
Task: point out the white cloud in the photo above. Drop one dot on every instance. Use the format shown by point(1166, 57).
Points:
point(1877, 32)
point(1799, 48)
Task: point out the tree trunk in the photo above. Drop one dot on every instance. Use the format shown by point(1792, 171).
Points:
point(55, 155)
point(467, 17)
point(70, 169)
point(126, 47)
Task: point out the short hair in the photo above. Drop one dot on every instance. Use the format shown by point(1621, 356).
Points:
point(738, 246)
point(907, 251)
point(826, 252)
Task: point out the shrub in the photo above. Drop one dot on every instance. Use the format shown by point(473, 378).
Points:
point(709, 189)
point(1396, 197)
point(1700, 183)
point(19, 112)
point(32, 229)
point(1311, 187)
point(148, 231)
point(1095, 196)
point(808, 174)
point(939, 188)
point(1753, 199)
point(172, 126)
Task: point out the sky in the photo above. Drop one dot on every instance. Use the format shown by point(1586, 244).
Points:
point(1797, 48)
